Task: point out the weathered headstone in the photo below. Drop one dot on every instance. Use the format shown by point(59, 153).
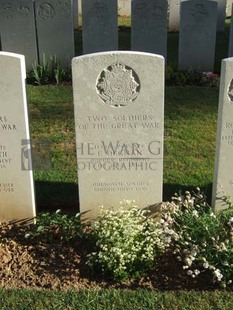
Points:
point(230, 50)
point(124, 7)
point(149, 26)
point(223, 178)
point(174, 15)
point(119, 104)
point(100, 31)
point(55, 29)
point(17, 27)
point(197, 35)
point(16, 178)
point(221, 15)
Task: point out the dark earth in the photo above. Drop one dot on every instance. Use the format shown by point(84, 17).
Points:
point(53, 263)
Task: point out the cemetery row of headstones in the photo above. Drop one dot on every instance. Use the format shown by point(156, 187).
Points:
point(198, 28)
point(124, 9)
point(119, 123)
point(35, 28)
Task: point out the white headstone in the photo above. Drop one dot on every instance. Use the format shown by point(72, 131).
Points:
point(55, 29)
point(119, 117)
point(197, 35)
point(174, 15)
point(16, 177)
point(221, 15)
point(223, 177)
point(149, 26)
point(100, 31)
point(18, 32)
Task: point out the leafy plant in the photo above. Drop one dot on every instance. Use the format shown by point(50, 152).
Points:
point(202, 241)
point(49, 71)
point(63, 227)
point(126, 242)
point(175, 77)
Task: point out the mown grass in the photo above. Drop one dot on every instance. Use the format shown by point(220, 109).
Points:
point(20, 299)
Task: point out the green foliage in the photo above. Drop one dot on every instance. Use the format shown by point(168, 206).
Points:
point(190, 78)
point(48, 72)
point(63, 227)
point(113, 299)
point(201, 240)
point(126, 242)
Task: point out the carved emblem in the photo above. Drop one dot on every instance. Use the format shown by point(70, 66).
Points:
point(64, 8)
point(23, 10)
point(118, 85)
point(7, 10)
point(100, 9)
point(230, 91)
point(46, 11)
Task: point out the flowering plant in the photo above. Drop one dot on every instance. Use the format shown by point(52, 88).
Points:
point(201, 240)
point(126, 241)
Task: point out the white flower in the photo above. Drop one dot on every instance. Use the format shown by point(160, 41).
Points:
point(213, 215)
point(195, 213)
point(218, 274)
point(206, 265)
point(189, 272)
point(197, 272)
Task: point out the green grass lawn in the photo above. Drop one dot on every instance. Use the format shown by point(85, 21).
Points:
point(114, 300)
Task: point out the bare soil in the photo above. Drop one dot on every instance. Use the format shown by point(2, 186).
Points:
point(56, 264)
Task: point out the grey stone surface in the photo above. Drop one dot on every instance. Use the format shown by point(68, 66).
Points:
point(230, 51)
point(100, 32)
point(17, 26)
point(124, 7)
point(221, 15)
point(119, 117)
point(223, 177)
point(16, 181)
point(197, 35)
point(149, 26)
point(55, 31)
point(174, 15)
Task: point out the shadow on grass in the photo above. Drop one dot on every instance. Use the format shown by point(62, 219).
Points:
point(170, 189)
point(51, 196)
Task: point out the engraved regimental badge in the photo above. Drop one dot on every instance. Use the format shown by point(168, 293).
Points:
point(230, 91)
point(118, 85)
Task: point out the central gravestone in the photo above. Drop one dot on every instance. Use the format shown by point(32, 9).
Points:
point(119, 112)
point(17, 199)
